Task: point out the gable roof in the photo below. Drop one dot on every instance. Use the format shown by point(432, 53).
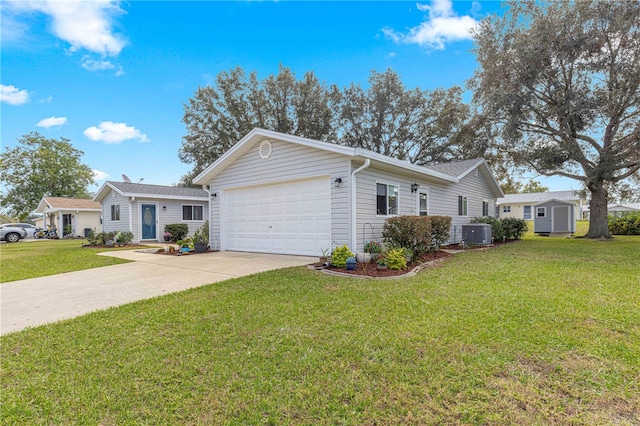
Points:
point(538, 197)
point(450, 174)
point(143, 190)
point(51, 204)
point(554, 200)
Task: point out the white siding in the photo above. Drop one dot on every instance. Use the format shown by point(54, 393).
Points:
point(287, 162)
point(120, 225)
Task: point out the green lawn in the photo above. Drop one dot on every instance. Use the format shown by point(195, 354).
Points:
point(542, 331)
point(24, 260)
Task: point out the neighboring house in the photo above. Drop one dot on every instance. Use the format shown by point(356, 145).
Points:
point(614, 209)
point(145, 209)
point(76, 214)
point(521, 205)
point(554, 216)
point(278, 193)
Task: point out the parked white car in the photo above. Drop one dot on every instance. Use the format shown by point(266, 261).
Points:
point(27, 227)
point(12, 234)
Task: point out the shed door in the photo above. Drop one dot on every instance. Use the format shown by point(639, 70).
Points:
point(560, 218)
point(284, 218)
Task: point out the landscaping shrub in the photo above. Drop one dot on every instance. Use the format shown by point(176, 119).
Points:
point(395, 259)
point(373, 247)
point(514, 228)
point(177, 230)
point(440, 226)
point(411, 232)
point(497, 232)
point(101, 238)
point(340, 255)
point(628, 224)
point(123, 237)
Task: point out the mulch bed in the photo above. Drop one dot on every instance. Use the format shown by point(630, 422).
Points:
point(371, 269)
point(177, 253)
point(129, 246)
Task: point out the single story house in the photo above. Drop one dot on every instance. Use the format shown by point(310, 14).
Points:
point(278, 193)
point(554, 216)
point(145, 209)
point(71, 216)
point(521, 205)
point(614, 209)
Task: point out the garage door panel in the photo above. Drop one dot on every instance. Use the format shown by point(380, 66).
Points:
point(292, 217)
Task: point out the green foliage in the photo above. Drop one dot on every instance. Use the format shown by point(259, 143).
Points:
point(123, 237)
point(340, 255)
point(373, 247)
point(497, 231)
point(627, 224)
point(201, 235)
point(412, 232)
point(177, 230)
point(101, 238)
point(395, 259)
point(440, 226)
point(186, 243)
point(513, 227)
point(39, 167)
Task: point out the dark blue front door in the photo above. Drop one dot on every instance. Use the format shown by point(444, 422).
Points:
point(149, 222)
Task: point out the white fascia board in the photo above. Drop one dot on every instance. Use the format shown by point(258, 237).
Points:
point(360, 152)
point(138, 195)
point(557, 200)
point(104, 186)
point(470, 169)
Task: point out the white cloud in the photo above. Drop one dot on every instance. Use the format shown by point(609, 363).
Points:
point(46, 100)
point(52, 121)
point(13, 96)
point(110, 132)
point(442, 26)
point(99, 174)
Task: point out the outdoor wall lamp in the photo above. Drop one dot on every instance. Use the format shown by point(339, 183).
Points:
point(164, 208)
point(414, 187)
point(338, 181)
point(214, 195)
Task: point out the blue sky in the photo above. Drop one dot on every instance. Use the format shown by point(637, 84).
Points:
point(113, 76)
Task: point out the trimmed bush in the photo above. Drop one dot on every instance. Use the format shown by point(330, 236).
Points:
point(178, 231)
point(440, 226)
point(513, 227)
point(340, 255)
point(628, 224)
point(411, 232)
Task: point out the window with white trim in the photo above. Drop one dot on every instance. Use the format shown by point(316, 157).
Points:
point(541, 211)
point(115, 212)
point(506, 209)
point(485, 208)
point(192, 213)
point(386, 199)
point(526, 213)
point(422, 204)
point(462, 205)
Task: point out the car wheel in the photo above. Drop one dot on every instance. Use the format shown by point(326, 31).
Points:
point(12, 237)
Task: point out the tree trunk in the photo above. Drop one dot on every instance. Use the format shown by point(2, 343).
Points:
point(598, 216)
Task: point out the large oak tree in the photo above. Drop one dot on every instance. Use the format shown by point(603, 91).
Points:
point(561, 81)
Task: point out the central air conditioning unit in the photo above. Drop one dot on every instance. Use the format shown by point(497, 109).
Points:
point(477, 233)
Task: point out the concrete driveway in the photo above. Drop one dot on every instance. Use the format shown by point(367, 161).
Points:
point(38, 301)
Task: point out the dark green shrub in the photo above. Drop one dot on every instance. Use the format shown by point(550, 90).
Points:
point(628, 224)
point(177, 230)
point(497, 232)
point(440, 226)
point(395, 259)
point(514, 228)
point(123, 237)
point(373, 247)
point(411, 232)
point(340, 255)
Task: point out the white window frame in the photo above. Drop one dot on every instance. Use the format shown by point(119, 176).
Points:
point(115, 213)
point(524, 212)
point(397, 187)
point(487, 204)
point(192, 210)
point(465, 206)
point(419, 193)
point(506, 209)
point(544, 211)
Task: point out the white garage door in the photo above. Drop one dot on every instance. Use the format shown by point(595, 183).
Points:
point(287, 218)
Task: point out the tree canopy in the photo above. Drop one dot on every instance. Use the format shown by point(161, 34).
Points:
point(39, 167)
point(423, 127)
point(560, 81)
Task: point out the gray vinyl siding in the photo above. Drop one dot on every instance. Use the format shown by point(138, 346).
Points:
point(288, 162)
point(442, 200)
point(544, 224)
point(120, 225)
point(173, 214)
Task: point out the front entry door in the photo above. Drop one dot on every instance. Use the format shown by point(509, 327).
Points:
point(149, 222)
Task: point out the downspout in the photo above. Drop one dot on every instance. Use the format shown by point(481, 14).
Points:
point(210, 217)
point(366, 164)
point(131, 200)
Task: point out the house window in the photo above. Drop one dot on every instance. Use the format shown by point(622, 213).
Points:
point(462, 205)
point(192, 213)
point(485, 208)
point(115, 212)
point(422, 208)
point(527, 213)
point(506, 209)
point(387, 199)
point(541, 211)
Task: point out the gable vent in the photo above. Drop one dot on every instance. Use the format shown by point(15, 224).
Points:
point(265, 149)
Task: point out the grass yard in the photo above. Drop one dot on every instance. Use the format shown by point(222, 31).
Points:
point(24, 260)
point(542, 331)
